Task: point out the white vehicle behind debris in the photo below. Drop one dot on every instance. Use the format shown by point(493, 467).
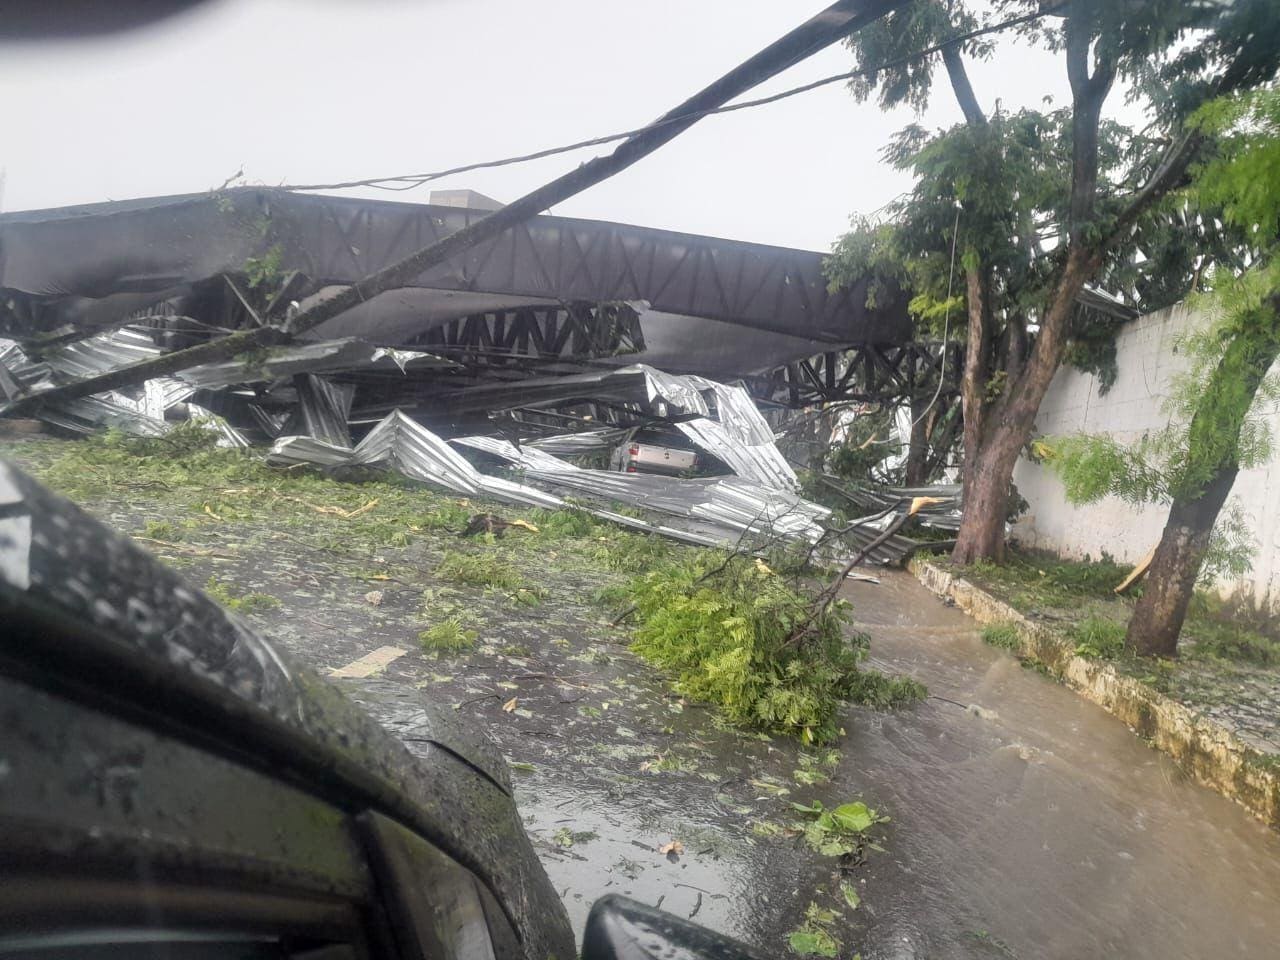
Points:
point(638, 457)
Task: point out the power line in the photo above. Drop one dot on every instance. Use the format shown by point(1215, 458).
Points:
point(411, 181)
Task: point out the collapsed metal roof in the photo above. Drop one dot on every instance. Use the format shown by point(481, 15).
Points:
point(716, 306)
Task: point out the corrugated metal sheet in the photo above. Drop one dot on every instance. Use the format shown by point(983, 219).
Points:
point(733, 504)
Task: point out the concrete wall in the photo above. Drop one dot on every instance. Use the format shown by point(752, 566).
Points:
point(1148, 359)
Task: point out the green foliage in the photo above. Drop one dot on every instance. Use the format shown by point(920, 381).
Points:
point(215, 589)
point(449, 515)
point(815, 767)
point(447, 636)
point(1092, 466)
point(1226, 640)
point(1099, 637)
point(1002, 635)
point(864, 448)
point(814, 937)
point(1231, 549)
point(750, 643)
point(566, 524)
point(161, 530)
point(631, 552)
point(1010, 175)
point(873, 689)
point(1040, 581)
point(265, 271)
point(1242, 179)
point(488, 569)
point(841, 831)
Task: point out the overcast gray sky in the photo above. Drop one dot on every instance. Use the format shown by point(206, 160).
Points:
point(330, 90)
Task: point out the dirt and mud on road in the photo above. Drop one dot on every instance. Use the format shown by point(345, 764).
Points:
point(1024, 822)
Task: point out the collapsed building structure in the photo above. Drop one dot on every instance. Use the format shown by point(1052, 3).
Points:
point(559, 338)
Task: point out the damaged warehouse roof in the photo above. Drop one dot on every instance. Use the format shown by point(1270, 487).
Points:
point(710, 306)
point(533, 336)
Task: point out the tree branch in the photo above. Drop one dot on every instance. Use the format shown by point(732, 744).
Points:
point(959, 76)
point(1088, 93)
point(1170, 174)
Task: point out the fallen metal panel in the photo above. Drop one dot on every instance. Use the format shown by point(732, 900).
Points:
point(400, 443)
point(322, 356)
point(323, 409)
point(89, 414)
point(731, 503)
point(579, 444)
point(291, 451)
point(407, 446)
point(228, 436)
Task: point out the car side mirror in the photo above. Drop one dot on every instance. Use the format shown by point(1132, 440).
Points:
point(622, 929)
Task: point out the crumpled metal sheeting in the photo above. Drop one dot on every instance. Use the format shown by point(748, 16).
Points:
point(738, 434)
point(323, 409)
point(30, 375)
point(291, 451)
point(321, 356)
point(749, 506)
point(161, 393)
point(677, 390)
point(941, 516)
point(101, 353)
point(270, 422)
point(763, 464)
point(732, 503)
point(675, 533)
point(74, 361)
point(738, 413)
point(889, 553)
point(513, 492)
point(526, 457)
point(229, 436)
point(87, 414)
point(579, 444)
point(401, 442)
point(402, 358)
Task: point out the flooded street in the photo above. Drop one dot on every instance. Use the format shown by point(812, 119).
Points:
point(1036, 826)
point(1025, 822)
point(1050, 826)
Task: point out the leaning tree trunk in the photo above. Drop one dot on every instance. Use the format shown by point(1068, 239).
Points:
point(1220, 412)
point(1171, 580)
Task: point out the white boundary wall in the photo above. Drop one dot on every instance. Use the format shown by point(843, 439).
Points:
point(1147, 357)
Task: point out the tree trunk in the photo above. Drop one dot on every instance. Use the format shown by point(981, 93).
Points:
point(1222, 410)
point(973, 379)
point(986, 497)
point(1171, 580)
point(1007, 424)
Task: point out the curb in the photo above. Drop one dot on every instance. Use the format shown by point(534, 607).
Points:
point(1211, 754)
